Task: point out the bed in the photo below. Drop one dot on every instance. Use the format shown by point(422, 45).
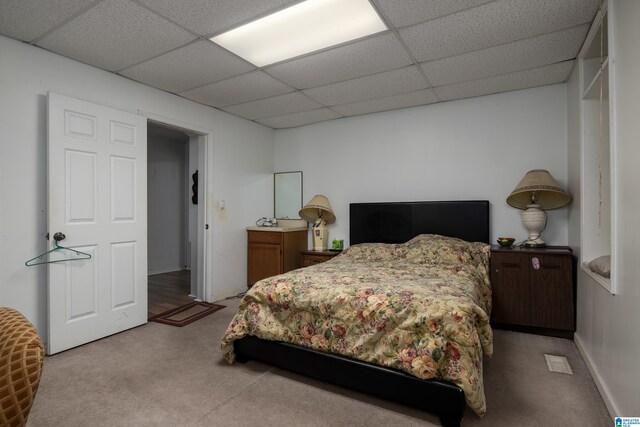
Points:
point(361, 321)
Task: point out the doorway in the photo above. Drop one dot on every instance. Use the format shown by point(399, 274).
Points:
point(171, 217)
point(200, 158)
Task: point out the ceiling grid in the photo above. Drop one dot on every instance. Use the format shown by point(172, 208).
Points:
point(433, 51)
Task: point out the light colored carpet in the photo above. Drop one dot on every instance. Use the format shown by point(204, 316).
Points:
point(159, 375)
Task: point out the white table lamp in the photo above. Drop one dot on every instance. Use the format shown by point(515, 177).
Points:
point(536, 193)
point(319, 212)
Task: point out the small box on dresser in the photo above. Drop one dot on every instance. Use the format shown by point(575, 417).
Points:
point(533, 290)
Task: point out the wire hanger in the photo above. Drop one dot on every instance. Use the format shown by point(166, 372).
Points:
point(57, 237)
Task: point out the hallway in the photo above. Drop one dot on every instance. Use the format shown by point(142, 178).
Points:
point(168, 290)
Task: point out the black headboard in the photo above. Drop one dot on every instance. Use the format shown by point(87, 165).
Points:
point(398, 222)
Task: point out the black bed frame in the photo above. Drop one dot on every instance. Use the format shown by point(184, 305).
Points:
point(386, 223)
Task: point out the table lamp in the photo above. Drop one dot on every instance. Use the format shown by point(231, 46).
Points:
point(318, 211)
point(537, 192)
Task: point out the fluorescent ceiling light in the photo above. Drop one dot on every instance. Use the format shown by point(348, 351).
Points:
point(302, 28)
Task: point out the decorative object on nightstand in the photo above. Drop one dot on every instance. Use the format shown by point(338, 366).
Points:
point(337, 245)
point(506, 241)
point(319, 212)
point(536, 193)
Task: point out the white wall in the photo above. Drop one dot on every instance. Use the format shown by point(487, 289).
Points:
point(243, 166)
point(477, 148)
point(607, 329)
point(166, 203)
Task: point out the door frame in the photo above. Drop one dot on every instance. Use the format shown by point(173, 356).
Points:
point(205, 197)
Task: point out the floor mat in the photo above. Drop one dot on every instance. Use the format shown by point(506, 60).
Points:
point(186, 314)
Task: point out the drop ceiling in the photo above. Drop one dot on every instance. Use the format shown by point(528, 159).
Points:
point(434, 51)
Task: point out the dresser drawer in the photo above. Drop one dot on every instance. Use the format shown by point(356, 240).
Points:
point(308, 260)
point(265, 237)
point(317, 257)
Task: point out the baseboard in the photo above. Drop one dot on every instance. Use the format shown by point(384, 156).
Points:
point(164, 270)
point(605, 393)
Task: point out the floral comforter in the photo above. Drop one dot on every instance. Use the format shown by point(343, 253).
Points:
point(421, 307)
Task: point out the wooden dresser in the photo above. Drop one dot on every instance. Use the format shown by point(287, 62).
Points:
point(273, 251)
point(533, 290)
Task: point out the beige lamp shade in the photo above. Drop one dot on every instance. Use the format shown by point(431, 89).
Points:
point(318, 207)
point(538, 187)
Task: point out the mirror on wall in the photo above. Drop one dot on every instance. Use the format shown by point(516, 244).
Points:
point(287, 194)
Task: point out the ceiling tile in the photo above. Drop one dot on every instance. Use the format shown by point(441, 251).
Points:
point(207, 17)
point(18, 20)
point(466, 48)
point(421, 97)
point(493, 24)
point(547, 75)
point(237, 90)
point(207, 62)
point(407, 12)
point(300, 119)
point(115, 34)
point(521, 55)
point(369, 56)
point(403, 80)
point(272, 107)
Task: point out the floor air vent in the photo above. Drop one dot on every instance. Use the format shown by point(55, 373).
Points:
point(558, 364)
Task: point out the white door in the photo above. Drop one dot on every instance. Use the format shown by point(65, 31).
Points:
point(97, 176)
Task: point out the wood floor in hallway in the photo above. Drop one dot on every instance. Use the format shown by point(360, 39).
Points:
point(168, 290)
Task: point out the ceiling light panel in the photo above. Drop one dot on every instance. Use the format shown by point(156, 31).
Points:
point(303, 28)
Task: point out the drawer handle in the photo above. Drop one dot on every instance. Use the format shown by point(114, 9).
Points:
point(535, 263)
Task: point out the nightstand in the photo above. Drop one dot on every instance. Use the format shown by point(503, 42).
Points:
point(533, 290)
point(317, 257)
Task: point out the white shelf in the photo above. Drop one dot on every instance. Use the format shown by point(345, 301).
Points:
point(593, 90)
point(600, 35)
point(597, 203)
point(602, 281)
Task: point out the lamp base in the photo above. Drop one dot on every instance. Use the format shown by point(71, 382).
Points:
point(534, 220)
point(534, 243)
point(320, 235)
